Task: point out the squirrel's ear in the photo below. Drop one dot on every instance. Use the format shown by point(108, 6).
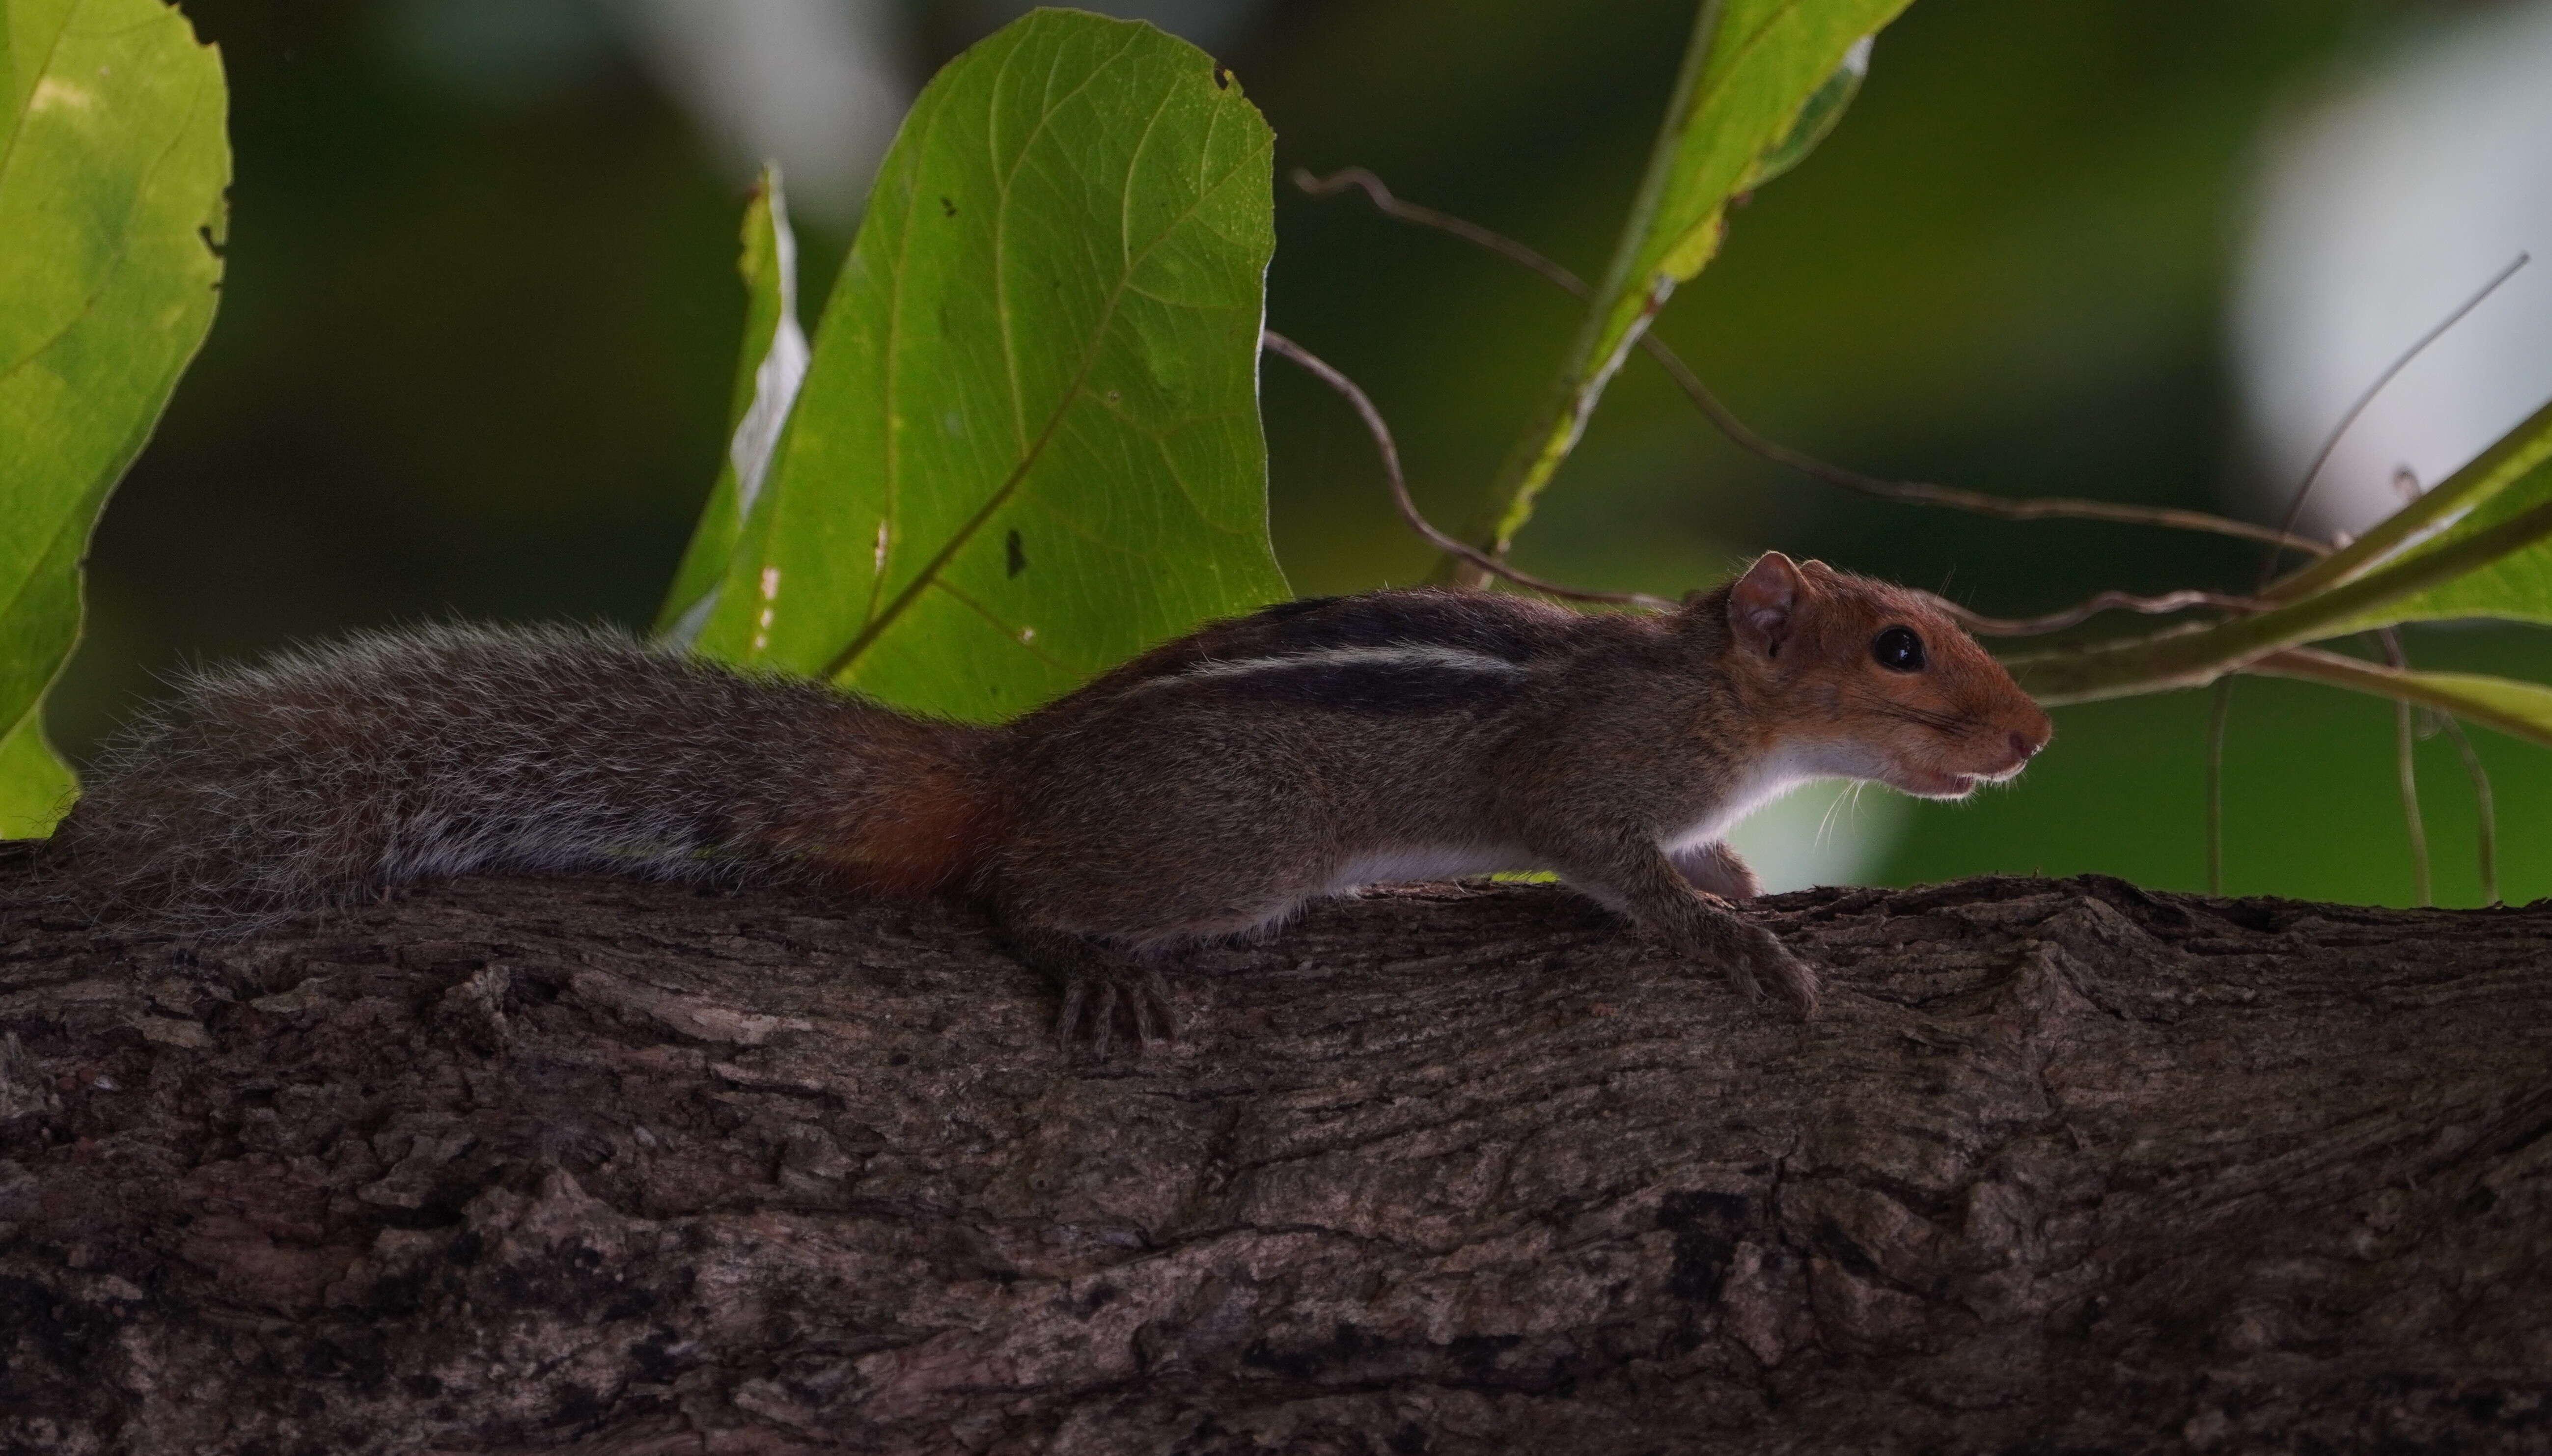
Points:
point(1762, 602)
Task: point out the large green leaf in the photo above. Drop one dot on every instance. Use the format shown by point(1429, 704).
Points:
point(112, 167)
point(768, 372)
point(1028, 443)
point(1762, 81)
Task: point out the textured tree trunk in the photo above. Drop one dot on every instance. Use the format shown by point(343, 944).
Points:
point(585, 1166)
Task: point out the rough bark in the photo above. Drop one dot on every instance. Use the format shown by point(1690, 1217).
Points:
point(597, 1167)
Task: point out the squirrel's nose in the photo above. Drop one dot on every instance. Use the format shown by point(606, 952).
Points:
point(2022, 745)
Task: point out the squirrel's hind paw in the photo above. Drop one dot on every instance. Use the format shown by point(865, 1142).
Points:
point(1100, 985)
point(1094, 995)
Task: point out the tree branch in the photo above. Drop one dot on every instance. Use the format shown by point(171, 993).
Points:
point(585, 1166)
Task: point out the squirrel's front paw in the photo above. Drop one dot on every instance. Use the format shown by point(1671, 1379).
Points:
point(1092, 995)
point(1757, 957)
point(1794, 979)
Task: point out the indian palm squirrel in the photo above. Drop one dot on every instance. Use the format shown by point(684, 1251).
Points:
point(1209, 787)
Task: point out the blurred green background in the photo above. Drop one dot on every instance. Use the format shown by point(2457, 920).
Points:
point(480, 316)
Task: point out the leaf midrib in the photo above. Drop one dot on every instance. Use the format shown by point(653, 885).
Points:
point(1717, 86)
point(1033, 450)
point(894, 471)
point(52, 47)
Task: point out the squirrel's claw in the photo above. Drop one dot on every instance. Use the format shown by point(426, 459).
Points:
point(1760, 958)
point(1754, 959)
point(1103, 1019)
point(1796, 980)
point(1156, 1018)
point(1067, 1019)
point(1093, 995)
point(1097, 980)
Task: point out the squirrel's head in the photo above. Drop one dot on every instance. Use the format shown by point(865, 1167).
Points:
point(1862, 680)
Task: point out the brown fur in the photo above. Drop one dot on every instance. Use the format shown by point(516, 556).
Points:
point(926, 822)
point(1209, 788)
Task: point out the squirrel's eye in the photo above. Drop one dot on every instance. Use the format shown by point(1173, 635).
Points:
point(1900, 649)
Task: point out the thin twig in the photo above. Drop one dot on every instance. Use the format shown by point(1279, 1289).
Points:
point(2405, 770)
point(2106, 601)
point(1320, 369)
point(2408, 773)
point(2406, 767)
point(2330, 443)
point(1392, 204)
point(2392, 681)
point(1975, 622)
point(2215, 720)
point(2482, 802)
point(1905, 491)
point(1979, 502)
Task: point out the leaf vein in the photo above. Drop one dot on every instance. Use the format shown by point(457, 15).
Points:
point(1001, 495)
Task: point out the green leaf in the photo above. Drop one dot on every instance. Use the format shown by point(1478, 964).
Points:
point(768, 372)
point(1762, 81)
point(2192, 656)
point(2513, 457)
point(34, 785)
point(1822, 113)
point(2519, 709)
point(2479, 545)
point(2516, 585)
point(112, 167)
point(1028, 443)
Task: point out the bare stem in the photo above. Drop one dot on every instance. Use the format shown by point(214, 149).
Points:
point(2194, 657)
point(2312, 665)
point(1321, 369)
point(2512, 457)
point(2322, 457)
point(2106, 601)
point(1392, 204)
point(2486, 807)
point(2026, 508)
point(2406, 768)
point(2404, 688)
point(2220, 710)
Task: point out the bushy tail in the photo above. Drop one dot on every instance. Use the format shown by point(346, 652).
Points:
point(323, 776)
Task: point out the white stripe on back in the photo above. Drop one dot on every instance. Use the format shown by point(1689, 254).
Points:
point(1416, 655)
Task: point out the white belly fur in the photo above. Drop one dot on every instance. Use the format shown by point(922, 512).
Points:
point(1402, 863)
point(1766, 782)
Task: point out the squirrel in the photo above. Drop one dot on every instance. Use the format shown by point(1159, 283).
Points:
point(1207, 789)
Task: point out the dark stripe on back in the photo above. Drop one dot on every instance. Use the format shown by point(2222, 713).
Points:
point(1509, 629)
point(1367, 688)
point(1469, 622)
